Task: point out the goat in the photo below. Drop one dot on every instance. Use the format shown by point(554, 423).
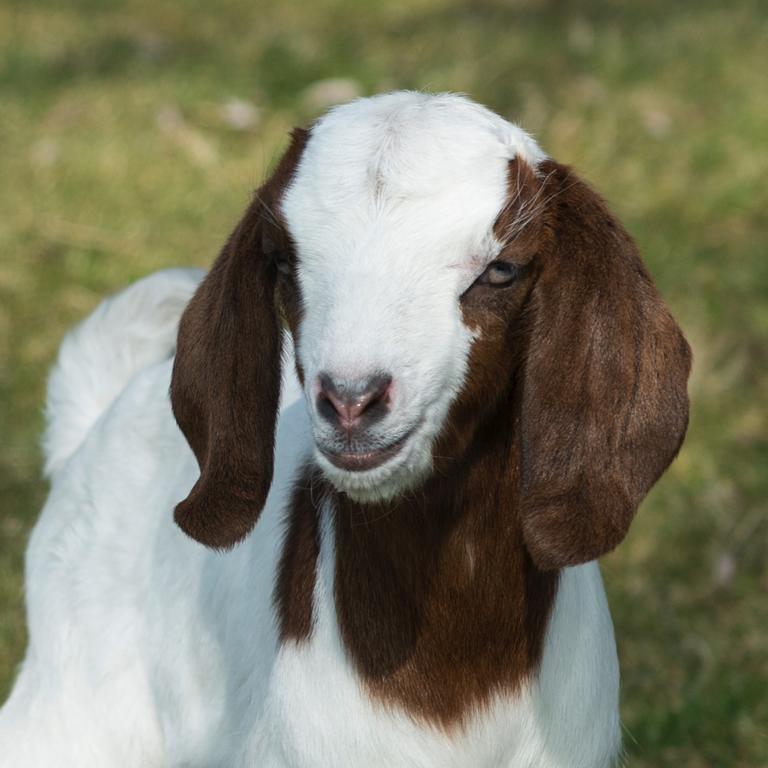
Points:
point(481, 384)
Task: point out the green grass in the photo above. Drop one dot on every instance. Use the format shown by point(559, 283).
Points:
point(116, 159)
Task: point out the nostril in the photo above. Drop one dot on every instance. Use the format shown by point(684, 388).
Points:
point(346, 404)
point(331, 401)
point(327, 408)
point(377, 391)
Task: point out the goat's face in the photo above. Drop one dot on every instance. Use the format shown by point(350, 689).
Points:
point(391, 215)
point(433, 267)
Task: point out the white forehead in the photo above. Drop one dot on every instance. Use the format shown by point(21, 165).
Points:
point(409, 171)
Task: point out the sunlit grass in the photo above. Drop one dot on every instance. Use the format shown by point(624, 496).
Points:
point(119, 154)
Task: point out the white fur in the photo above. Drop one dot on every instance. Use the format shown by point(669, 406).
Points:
point(391, 209)
point(146, 649)
point(93, 366)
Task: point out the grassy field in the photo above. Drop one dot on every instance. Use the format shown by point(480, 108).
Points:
point(131, 134)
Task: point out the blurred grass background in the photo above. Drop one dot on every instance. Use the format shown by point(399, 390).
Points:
point(132, 132)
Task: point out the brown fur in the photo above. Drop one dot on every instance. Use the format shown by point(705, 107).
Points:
point(226, 377)
point(439, 604)
point(574, 405)
point(603, 395)
point(298, 563)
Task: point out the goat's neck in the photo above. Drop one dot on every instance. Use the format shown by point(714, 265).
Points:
point(438, 603)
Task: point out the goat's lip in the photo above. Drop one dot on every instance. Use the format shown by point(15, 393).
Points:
point(359, 461)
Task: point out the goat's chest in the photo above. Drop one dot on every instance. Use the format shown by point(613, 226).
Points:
point(437, 666)
point(319, 715)
point(334, 699)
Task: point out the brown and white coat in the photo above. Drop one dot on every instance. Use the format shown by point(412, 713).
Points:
point(480, 385)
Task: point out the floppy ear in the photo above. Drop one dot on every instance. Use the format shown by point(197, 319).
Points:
point(604, 405)
point(226, 378)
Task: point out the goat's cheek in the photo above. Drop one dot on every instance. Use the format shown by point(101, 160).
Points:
point(489, 368)
point(487, 371)
point(484, 378)
point(483, 388)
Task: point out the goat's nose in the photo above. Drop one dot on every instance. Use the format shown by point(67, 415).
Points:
point(349, 404)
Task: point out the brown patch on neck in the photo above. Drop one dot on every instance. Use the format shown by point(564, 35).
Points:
point(297, 570)
point(438, 603)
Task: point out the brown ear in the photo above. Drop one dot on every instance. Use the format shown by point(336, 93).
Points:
point(605, 406)
point(226, 377)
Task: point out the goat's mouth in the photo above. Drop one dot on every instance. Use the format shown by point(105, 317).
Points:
point(360, 461)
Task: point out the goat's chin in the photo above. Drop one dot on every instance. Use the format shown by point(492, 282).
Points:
point(404, 471)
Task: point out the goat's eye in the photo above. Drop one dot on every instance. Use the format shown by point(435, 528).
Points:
point(268, 244)
point(283, 264)
point(499, 273)
point(270, 248)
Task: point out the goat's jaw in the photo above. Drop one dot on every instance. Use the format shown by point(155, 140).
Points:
point(402, 470)
point(361, 461)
